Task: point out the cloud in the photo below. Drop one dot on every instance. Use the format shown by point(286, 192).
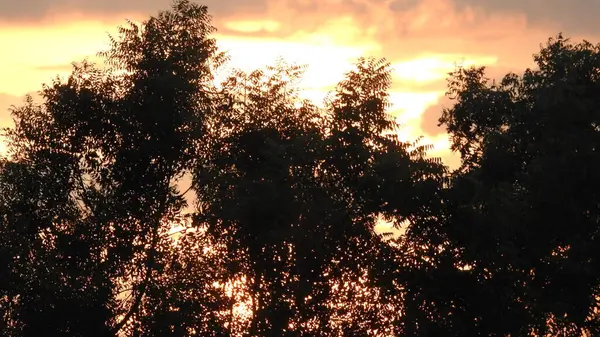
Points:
point(457, 20)
point(431, 115)
point(442, 27)
point(32, 11)
point(571, 17)
point(403, 28)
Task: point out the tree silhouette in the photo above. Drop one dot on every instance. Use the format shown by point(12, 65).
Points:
point(96, 239)
point(89, 190)
point(292, 191)
point(523, 208)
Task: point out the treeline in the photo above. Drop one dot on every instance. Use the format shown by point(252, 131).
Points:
point(96, 239)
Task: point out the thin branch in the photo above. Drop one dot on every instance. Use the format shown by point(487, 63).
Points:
point(186, 191)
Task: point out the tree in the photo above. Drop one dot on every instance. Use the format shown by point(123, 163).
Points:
point(294, 194)
point(265, 194)
point(522, 211)
point(89, 189)
point(288, 195)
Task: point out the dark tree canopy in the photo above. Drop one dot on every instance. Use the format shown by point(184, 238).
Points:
point(523, 207)
point(273, 232)
point(89, 190)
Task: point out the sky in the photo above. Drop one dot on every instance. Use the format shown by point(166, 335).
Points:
point(422, 39)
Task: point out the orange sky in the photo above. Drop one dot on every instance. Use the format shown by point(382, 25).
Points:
point(421, 38)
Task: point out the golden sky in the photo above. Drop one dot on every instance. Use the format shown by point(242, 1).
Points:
point(423, 39)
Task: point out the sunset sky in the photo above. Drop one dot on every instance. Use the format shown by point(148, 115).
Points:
point(423, 39)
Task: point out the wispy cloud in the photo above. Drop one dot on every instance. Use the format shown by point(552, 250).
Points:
point(55, 67)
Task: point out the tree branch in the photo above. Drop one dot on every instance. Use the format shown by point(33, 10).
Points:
point(149, 264)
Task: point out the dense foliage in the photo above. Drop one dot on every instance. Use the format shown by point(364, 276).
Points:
point(141, 198)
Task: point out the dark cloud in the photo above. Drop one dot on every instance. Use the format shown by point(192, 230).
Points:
point(402, 5)
point(294, 15)
point(431, 115)
point(570, 17)
point(35, 10)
